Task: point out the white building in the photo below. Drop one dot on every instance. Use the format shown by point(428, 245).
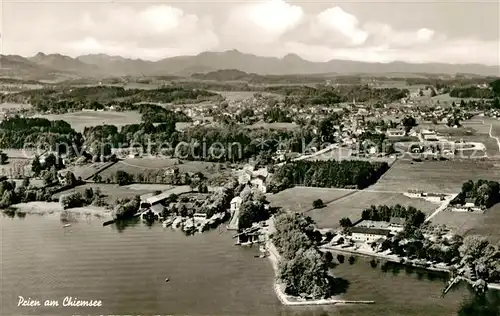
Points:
point(368, 235)
point(259, 184)
point(394, 132)
point(235, 204)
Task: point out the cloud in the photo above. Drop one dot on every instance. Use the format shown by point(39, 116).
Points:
point(266, 28)
point(334, 25)
point(263, 22)
point(154, 32)
point(384, 34)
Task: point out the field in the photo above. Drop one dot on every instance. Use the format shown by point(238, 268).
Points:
point(241, 95)
point(86, 171)
point(15, 106)
point(341, 203)
point(352, 205)
point(17, 168)
point(277, 125)
point(111, 191)
point(436, 176)
point(300, 199)
point(79, 120)
point(487, 224)
point(156, 165)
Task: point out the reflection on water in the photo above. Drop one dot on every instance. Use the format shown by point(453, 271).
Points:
point(125, 265)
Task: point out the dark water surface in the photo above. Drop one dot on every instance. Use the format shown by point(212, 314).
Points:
point(126, 270)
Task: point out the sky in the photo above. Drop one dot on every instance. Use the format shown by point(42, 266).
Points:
point(448, 31)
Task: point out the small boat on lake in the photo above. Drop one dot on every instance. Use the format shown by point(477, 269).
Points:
point(167, 279)
point(167, 222)
point(66, 225)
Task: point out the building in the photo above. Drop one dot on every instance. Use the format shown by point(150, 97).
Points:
point(259, 183)
point(394, 132)
point(367, 234)
point(235, 204)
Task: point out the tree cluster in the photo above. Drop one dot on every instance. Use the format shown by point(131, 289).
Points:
point(384, 213)
point(327, 174)
point(254, 208)
point(303, 268)
point(482, 193)
point(17, 132)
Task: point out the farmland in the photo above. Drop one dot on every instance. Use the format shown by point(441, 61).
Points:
point(79, 120)
point(156, 165)
point(436, 176)
point(110, 191)
point(465, 223)
point(300, 199)
point(352, 206)
point(341, 203)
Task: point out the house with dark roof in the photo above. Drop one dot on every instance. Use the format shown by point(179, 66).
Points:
point(367, 234)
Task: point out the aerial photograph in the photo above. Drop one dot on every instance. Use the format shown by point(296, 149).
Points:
point(250, 157)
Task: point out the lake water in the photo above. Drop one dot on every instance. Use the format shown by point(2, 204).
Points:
point(126, 267)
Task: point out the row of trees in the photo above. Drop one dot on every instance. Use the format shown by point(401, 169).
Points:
point(91, 196)
point(343, 174)
point(63, 99)
point(483, 193)
point(413, 216)
point(17, 132)
point(303, 268)
point(254, 208)
point(12, 194)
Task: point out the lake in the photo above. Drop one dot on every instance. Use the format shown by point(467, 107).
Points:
point(126, 267)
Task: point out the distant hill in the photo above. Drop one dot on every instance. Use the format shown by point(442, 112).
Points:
point(237, 65)
point(64, 64)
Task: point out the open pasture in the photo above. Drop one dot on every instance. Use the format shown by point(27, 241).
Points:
point(464, 223)
point(276, 125)
point(241, 95)
point(300, 199)
point(16, 168)
point(157, 165)
point(352, 205)
point(436, 176)
point(111, 192)
point(86, 171)
point(79, 120)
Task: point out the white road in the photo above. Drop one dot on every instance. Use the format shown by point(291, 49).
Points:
point(441, 207)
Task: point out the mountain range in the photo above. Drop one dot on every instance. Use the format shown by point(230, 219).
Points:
point(100, 65)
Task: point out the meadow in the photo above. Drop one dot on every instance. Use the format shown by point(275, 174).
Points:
point(436, 176)
point(111, 192)
point(352, 205)
point(79, 120)
point(155, 165)
point(464, 223)
point(300, 199)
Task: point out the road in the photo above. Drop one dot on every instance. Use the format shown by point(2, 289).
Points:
point(441, 208)
point(491, 135)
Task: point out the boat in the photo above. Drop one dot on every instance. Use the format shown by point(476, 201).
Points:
point(177, 222)
point(167, 222)
point(67, 225)
point(188, 226)
point(167, 279)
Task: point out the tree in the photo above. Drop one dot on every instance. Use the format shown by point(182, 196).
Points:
point(318, 203)
point(70, 179)
point(345, 222)
point(26, 182)
point(123, 178)
point(36, 166)
point(3, 158)
point(306, 273)
point(409, 122)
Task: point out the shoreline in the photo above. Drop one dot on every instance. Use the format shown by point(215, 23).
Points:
point(288, 300)
point(46, 208)
point(395, 259)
